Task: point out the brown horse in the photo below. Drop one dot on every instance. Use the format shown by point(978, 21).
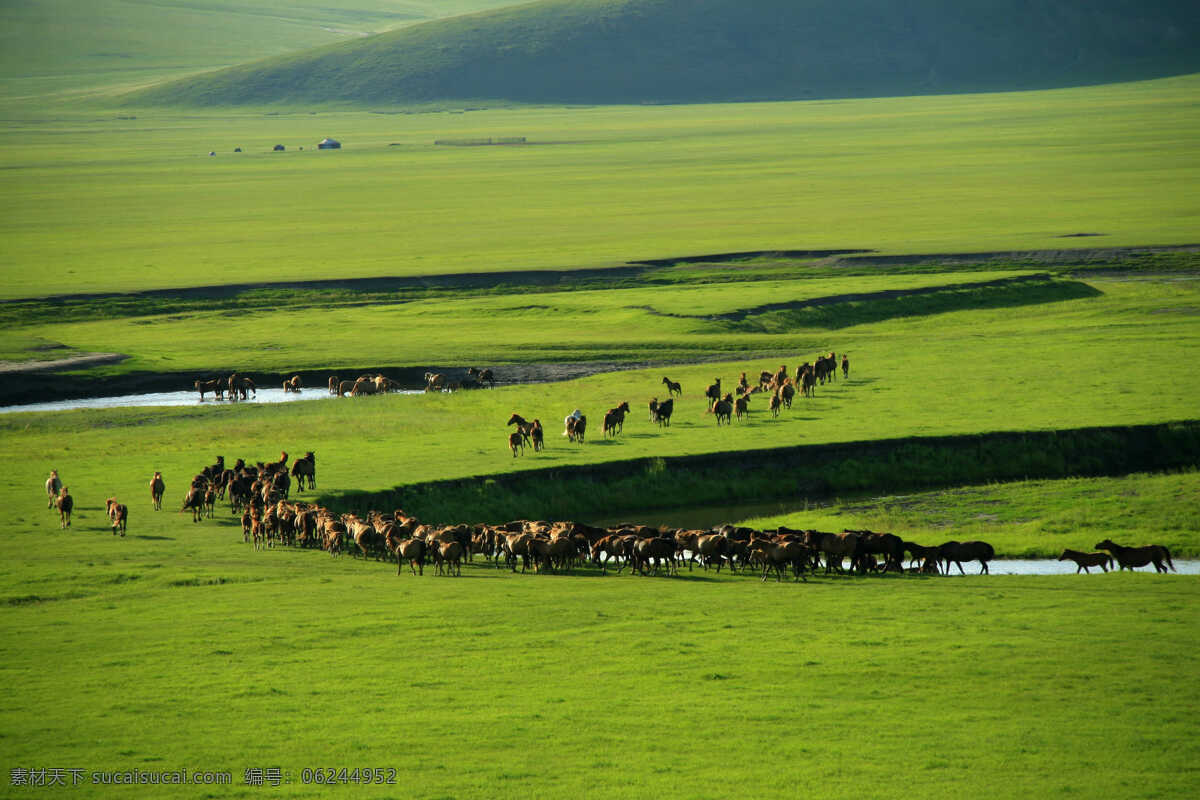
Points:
point(516, 441)
point(614, 420)
point(118, 514)
point(923, 554)
point(524, 426)
point(576, 428)
point(673, 388)
point(1131, 557)
point(64, 503)
point(157, 487)
point(53, 487)
point(412, 551)
point(959, 552)
point(1085, 560)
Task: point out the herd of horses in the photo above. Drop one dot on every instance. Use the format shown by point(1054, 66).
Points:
point(260, 493)
point(240, 387)
point(779, 386)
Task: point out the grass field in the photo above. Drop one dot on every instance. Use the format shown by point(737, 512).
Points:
point(1027, 518)
point(93, 200)
point(189, 650)
point(64, 49)
point(179, 647)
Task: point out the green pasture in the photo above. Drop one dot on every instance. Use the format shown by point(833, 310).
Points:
point(1033, 519)
point(54, 50)
point(681, 322)
point(178, 646)
point(121, 199)
point(1113, 358)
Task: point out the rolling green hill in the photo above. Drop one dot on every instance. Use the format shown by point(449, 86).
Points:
point(649, 51)
point(66, 46)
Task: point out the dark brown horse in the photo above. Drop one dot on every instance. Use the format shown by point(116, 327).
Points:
point(673, 388)
point(1085, 560)
point(1131, 557)
point(959, 552)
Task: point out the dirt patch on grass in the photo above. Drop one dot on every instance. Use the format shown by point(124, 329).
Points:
point(80, 361)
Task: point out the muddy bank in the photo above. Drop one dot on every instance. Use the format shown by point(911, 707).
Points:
point(80, 361)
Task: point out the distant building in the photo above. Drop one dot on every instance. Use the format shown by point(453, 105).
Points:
point(329, 144)
point(279, 148)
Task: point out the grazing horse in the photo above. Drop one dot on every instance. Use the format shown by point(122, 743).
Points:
point(959, 552)
point(53, 487)
point(1085, 560)
point(333, 384)
point(434, 381)
point(673, 388)
point(118, 514)
point(515, 441)
point(292, 384)
point(157, 487)
point(64, 503)
point(1131, 557)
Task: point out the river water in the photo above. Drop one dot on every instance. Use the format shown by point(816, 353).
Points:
point(187, 398)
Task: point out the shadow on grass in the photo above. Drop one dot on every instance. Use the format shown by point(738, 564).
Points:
point(844, 311)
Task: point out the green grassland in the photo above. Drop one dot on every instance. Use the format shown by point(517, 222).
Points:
point(68, 48)
point(1113, 358)
point(1026, 518)
point(682, 322)
point(93, 203)
point(672, 51)
point(188, 649)
point(178, 646)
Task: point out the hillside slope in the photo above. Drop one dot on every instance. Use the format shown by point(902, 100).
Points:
point(639, 51)
point(51, 46)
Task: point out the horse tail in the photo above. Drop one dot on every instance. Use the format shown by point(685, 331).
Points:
point(1167, 556)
